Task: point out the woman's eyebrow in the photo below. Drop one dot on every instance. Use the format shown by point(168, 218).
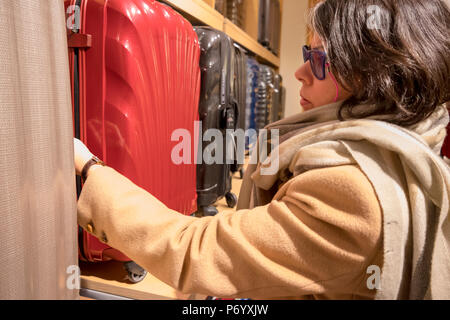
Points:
point(318, 48)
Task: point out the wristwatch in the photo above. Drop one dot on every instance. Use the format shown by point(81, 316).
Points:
point(90, 163)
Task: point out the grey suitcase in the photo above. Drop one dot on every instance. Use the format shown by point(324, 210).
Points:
point(240, 93)
point(276, 98)
point(252, 100)
point(218, 109)
point(269, 24)
point(265, 110)
point(235, 12)
point(275, 21)
point(221, 6)
point(261, 105)
point(283, 102)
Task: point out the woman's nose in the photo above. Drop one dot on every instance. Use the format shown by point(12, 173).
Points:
point(304, 74)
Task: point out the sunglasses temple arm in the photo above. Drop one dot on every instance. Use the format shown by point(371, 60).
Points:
point(335, 83)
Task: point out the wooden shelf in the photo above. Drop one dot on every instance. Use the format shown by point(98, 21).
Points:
point(241, 37)
point(204, 12)
point(110, 277)
point(199, 10)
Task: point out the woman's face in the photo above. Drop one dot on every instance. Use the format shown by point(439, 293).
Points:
point(314, 92)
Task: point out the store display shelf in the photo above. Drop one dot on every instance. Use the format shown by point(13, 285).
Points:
point(203, 12)
point(199, 10)
point(241, 37)
point(110, 278)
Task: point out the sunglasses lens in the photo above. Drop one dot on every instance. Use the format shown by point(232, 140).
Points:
point(318, 65)
point(305, 54)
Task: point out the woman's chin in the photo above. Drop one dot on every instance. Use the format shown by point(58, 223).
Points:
point(307, 106)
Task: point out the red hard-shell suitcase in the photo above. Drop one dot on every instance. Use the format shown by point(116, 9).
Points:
point(135, 80)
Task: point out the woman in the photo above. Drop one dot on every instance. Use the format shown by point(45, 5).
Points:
point(361, 188)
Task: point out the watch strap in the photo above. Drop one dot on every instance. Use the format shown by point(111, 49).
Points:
point(90, 163)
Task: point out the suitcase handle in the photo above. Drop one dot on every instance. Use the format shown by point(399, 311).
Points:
point(78, 40)
point(232, 115)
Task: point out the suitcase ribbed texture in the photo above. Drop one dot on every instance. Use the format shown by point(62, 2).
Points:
point(139, 84)
point(142, 83)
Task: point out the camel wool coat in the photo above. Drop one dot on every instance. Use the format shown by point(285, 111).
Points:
point(315, 240)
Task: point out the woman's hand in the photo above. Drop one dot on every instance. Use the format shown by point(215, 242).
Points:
point(82, 155)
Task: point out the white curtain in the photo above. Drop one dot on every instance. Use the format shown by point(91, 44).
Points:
point(37, 186)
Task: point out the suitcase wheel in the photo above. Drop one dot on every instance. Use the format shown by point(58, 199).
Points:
point(209, 211)
point(241, 173)
point(135, 272)
point(231, 199)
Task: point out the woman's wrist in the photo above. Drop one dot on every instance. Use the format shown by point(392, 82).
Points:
point(82, 156)
point(93, 168)
point(93, 161)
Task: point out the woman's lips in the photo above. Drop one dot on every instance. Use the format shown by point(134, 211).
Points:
point(304, 102)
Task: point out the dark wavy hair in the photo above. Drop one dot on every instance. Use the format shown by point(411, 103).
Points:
point(393, 55)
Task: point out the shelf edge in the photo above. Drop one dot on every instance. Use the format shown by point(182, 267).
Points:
point(199, 10)
point(241, 37)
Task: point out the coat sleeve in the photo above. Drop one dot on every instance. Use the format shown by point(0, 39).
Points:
point(317, 235)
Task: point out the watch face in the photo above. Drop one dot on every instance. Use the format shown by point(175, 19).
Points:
point(98, 161)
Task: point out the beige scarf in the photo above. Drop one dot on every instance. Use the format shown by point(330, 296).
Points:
point(410, 178)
